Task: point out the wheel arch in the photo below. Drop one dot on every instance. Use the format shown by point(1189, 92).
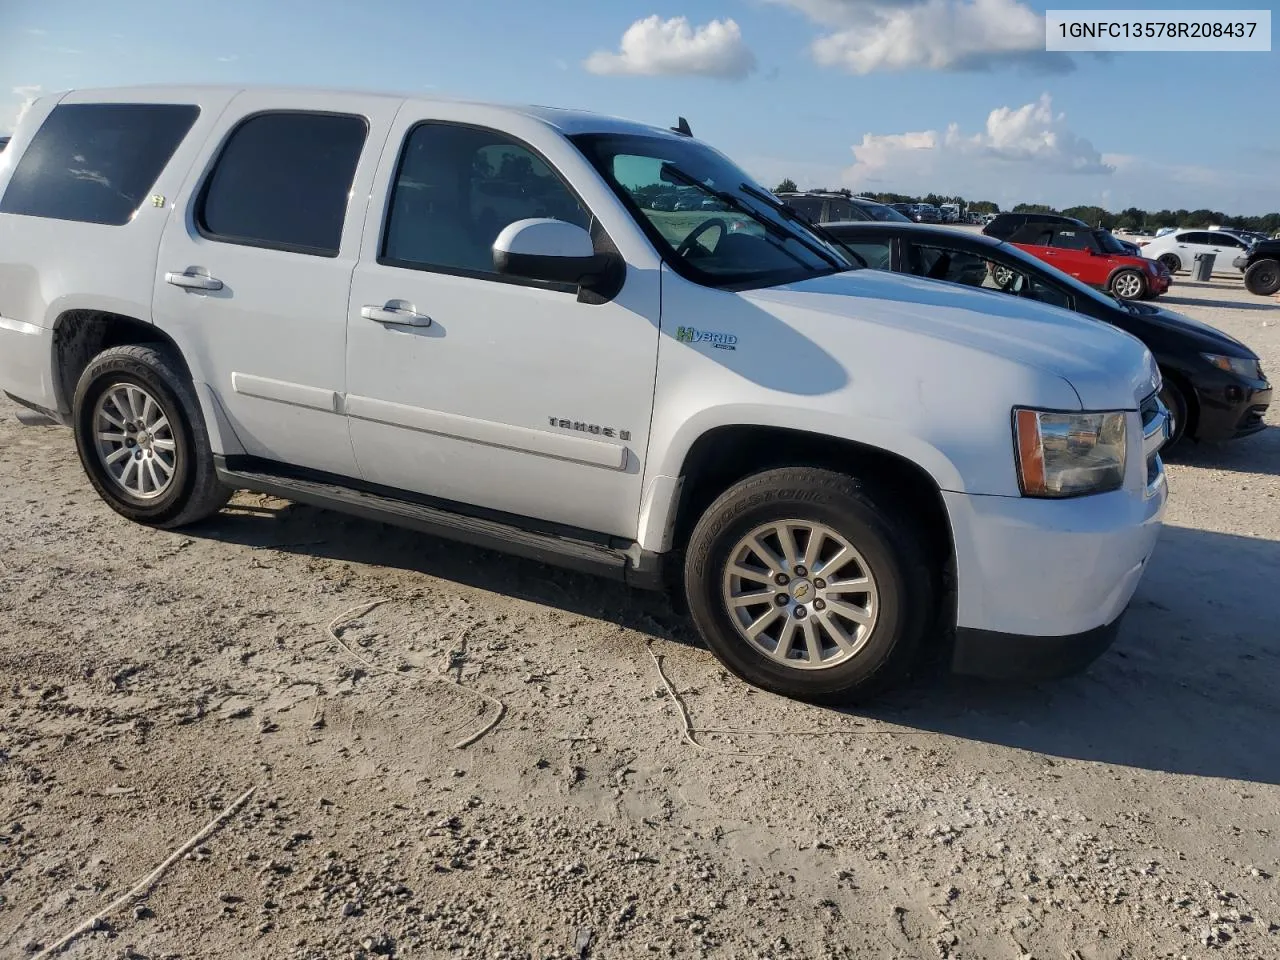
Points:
point(1189, 396)
point(724, 454)
point(80, 334)
point(1127, 268)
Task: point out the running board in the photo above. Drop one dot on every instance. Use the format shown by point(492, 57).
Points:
point(633, 565)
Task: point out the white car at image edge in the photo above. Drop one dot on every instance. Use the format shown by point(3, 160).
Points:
point(831, 466)
point(1177, 250)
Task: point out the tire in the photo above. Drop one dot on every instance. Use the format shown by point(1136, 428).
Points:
point(190, 490)
point(1170, 261)
point(1263, 278)
point(887, 549)
point(1002, 277)
point(1171, 396)
point(1128, 285)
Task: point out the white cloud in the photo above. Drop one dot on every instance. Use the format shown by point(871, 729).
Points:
point(1031, 135)
point(657, 47)
point(1028, 154)
point(26, 96)
point(871, 35)
point(229, 58)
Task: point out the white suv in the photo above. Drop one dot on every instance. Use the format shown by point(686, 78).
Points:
point(470, 319)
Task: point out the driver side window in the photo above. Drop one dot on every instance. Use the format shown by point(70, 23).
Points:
point(457, 188)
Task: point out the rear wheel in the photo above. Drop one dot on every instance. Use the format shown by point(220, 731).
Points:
point(1129, 285)
point(805, 583)
point(141, 439)
point(1171, 262)
point(1263, 278)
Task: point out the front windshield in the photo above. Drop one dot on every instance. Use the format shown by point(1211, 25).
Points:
point(696, 206)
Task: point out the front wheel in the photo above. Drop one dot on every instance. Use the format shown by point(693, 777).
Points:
point(1176, 404)
point(804, 583)
point(141, 439)
point(1129, 285)
point(1263, 278)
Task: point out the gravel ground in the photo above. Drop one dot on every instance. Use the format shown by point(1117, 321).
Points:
point(149, 679)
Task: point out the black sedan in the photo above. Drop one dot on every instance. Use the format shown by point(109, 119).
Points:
point(1214, 386)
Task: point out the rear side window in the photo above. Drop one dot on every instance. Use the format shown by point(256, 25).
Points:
point(282, 181)
point(96, 162)
point(1072, 240)
point(810, 207)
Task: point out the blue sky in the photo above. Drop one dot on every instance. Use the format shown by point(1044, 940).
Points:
point(955, 96)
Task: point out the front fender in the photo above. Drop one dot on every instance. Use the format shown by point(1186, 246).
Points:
point(663, 487)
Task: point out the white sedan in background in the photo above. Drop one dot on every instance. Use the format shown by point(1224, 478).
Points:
point(1177, 250)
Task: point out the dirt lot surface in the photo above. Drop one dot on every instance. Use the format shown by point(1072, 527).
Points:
point(149, 679)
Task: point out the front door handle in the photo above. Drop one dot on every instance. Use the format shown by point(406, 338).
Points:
point(193, 281)
point(395, 312)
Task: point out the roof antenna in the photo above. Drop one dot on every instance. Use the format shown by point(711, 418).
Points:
point(682, 128)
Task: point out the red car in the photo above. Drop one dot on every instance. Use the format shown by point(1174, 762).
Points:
point(1094, 257)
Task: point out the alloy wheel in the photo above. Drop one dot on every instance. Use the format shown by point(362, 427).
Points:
point(1128, 286)
point(801, 594)
point(134, 441)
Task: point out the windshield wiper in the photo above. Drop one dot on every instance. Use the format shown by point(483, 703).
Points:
point(729, 200)
point(791, 213)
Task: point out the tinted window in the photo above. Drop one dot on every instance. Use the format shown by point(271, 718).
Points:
point(458, 188)
point(4, 142)
point(1197, 238)
point(282, 181)
point(1226, 240)
point(939, 263)
point(1071, 240)
point(841, 210)
point(809, 207)
point(96, 162)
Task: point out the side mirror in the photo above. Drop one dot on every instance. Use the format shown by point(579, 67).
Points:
point(546, 249)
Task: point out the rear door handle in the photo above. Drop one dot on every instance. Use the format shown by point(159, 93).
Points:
point(395, 312)
point(193, 281)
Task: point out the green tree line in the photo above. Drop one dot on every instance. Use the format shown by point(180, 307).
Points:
point(1131, 218)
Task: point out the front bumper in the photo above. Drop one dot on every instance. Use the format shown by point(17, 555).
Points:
point(1007, 656)
point(1045, 580)
point(1230, 408)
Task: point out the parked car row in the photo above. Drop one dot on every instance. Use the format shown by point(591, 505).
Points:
point(1213, 384)
point(266, 290)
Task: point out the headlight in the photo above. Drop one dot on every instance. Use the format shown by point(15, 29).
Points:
point(1248, 368)
point(1069, 454)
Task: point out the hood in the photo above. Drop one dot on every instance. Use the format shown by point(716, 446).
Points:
point(1202, 335)
point(1107, 367)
